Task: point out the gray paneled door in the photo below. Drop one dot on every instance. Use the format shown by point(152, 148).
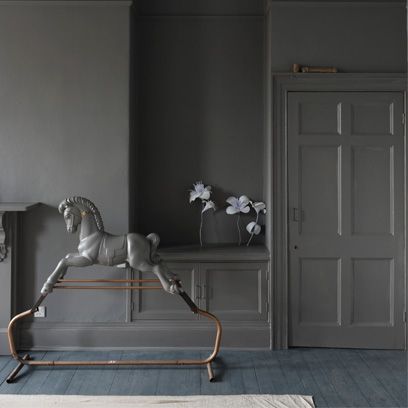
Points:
point(346, 219)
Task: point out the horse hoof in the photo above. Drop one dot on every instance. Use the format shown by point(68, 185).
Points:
point(175, 289)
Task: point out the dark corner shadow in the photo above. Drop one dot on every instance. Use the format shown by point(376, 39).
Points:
point(33, 225)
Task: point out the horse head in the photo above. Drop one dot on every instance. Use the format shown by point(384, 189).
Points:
point(74, 208)
point(72, 215)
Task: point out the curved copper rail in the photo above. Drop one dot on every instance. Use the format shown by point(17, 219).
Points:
point(25, 360)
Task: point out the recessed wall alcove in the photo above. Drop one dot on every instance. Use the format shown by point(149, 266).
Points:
point(200, 87)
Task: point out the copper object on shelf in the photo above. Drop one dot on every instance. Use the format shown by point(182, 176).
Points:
point(26, 360)
point(297, 68)
point(320, 70)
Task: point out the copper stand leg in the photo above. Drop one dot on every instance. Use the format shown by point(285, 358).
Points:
point(208, 315)
point(14, 373)
point(211, 376)
point(25, 360)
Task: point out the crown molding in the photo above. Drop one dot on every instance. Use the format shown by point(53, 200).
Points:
point(76, 3)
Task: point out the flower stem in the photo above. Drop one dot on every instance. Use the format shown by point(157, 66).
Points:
point(201, 226)
point(252, 234)
point(239, 229)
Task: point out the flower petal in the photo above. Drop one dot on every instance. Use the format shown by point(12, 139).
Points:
point(198, 186)
point(208, 206)
point(253, 228)
point(259, 206)
point(232, 210)
point(245, 210)
point(243, 200)
point(193, 196)
point(205, 194)
point(232, 200)
point(250, 226)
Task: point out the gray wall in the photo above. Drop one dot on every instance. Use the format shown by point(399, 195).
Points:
point(64, 86)
point(353, 36)
point(64, 113)
point(202, 93)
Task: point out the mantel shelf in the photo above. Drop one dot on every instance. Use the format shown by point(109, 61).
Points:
point(215, 253)
point(17, 207)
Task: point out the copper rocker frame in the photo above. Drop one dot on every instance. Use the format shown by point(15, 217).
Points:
point(67, 284)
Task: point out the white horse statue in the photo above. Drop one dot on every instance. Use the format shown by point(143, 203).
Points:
point(99, 247)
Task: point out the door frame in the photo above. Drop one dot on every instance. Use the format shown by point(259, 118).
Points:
point(276, 180)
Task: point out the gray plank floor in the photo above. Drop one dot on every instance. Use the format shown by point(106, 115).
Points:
point(335, 377)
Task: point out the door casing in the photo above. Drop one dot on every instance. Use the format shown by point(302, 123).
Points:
point(276, 180)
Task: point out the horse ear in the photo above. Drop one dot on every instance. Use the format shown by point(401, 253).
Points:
point(63, 205)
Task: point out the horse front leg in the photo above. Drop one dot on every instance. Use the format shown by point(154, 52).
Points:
point(168, 279)
point(69, 260)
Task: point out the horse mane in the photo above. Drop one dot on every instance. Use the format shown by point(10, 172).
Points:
point(72, 201)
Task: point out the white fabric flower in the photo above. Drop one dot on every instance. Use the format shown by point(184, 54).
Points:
point(200, 191)
point(259, 206)
point(209, 205)
point(238, 205)
point(253, 228)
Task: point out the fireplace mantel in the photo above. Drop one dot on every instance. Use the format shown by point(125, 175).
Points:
point(9, 229)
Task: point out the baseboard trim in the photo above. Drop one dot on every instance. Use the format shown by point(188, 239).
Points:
point(154, 335)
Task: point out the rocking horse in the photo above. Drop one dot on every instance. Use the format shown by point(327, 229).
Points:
point(99, 247)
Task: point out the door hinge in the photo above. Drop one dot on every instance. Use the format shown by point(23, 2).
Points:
point(403, 118)
point(405, 316)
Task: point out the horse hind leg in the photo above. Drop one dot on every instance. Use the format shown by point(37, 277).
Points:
point(154, 240)
point(164, 273)
point(167, 279)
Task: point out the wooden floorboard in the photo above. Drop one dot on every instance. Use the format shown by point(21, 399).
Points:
point(309, 383)
point(94, 380)
point(329, 396)
point(335, 378)
point(394, 381)
point(374, 392)
point(269, 374)
point(188, 377)
point(24, 376)
point(294, 383)
point(344, 385)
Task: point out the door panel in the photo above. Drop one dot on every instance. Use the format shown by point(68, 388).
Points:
point(319, 279)
point(346, 225)
point(373, 292)
point(372, 117)
point(322, 215)
point(319, 118)
point(372, 189)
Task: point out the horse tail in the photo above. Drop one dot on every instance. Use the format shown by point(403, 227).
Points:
point(154, 243)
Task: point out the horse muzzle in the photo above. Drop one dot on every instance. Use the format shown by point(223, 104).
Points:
point(71, 229)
